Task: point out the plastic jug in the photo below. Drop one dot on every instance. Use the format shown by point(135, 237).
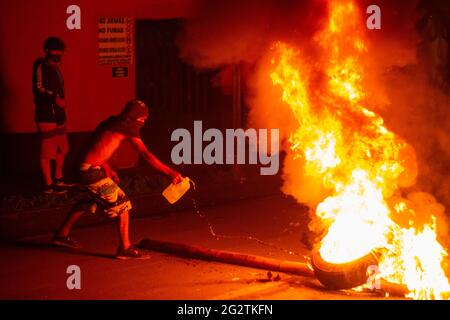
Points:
point(174, 192)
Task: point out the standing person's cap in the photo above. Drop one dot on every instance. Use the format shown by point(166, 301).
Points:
point(54, 43)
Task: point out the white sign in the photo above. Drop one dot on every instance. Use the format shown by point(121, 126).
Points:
point(115, 40)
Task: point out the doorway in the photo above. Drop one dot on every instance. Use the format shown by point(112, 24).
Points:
point(175, 91)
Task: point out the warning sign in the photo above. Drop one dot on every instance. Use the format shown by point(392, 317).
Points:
point(115, 40)
point(119, 72)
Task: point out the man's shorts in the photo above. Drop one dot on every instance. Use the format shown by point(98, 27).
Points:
point(104, 193)
point(53, 142)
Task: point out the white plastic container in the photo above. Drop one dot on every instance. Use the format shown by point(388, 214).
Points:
point(174, 192)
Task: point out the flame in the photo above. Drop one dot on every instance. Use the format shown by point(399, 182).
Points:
point(360, 163)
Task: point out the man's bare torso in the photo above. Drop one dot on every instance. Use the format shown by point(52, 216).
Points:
point(103, 147)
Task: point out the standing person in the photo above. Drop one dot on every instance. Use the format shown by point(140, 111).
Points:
point(50, 114)
point(97, 177)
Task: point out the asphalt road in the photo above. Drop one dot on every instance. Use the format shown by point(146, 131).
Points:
point(34, 269)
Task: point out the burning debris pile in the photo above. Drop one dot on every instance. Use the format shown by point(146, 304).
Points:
point(359, 162)
point(343, 161)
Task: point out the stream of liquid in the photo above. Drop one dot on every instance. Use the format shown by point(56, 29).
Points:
point(218, 236)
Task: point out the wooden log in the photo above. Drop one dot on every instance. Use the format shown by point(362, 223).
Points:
point(246, 260)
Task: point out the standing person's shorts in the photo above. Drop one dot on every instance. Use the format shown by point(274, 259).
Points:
point(53, 139)
point(49, 113)
point(104, 193)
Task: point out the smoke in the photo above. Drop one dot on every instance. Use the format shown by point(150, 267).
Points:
point(226, 32)
point(406, 76)
point(401, 77)
point(419, 112)
point(411, 81)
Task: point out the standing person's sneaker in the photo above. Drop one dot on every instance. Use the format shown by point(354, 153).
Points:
point(62, 183)
point(54, 189)
point(131, 253)
point(66, 242)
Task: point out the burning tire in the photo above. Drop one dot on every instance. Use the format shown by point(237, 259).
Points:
point(342, 276)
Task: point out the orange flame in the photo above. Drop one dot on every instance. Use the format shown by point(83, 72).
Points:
point(358, 160)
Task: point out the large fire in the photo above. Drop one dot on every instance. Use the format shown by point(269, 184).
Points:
point(358, 160)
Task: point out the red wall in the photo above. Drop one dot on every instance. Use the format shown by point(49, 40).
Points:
point(91, 92)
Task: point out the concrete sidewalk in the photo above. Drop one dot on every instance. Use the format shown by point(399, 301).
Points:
point(33, 269)
point(212, 191)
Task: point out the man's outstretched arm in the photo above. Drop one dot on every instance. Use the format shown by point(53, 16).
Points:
point(151, 159)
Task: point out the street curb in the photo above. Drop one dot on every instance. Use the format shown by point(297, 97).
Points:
point(31, 223)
